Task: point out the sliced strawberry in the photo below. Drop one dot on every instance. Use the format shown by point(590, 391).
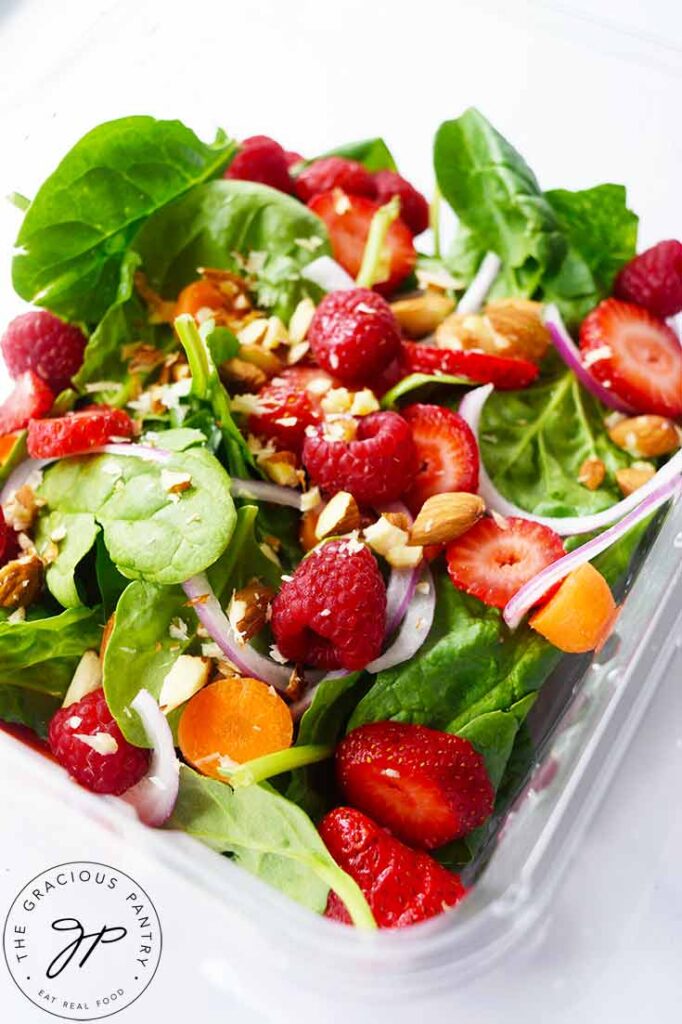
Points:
point(635, 354)
point(348, 218)
point(502, 371)
point(77, 432)
point(447, 453)
point(494, 559)
point(313, 379)
point(30, 399)
point(427, 787)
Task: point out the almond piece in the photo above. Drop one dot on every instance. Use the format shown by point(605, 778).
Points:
point(21, 581)
point(392, 542)
point(242, 375)
point(647, 436)
point(248, 611)
point(469, 331)
point(520, 323)
point(306, 533)
point(294, 689)
point(262, 358)
point(86, 679)
point(399, 519)
point(634, 477)
point(420, 315)
point(281, 468)
point(592, 473)
point(187, 676)
point(340, 515)
point(445, 516)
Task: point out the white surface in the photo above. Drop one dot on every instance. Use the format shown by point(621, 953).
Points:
point(587, 97)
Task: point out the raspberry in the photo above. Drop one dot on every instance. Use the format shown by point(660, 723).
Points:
point(378, 466)
point(654, 279)
point(113, 772)
point(41, 342)
point(332, 612)
point(9, 547)
point(334, 172)
point(414, 209)
point(286, 411)
point(29, 399)
point(354, 335)
point(77, 432)
point(263, 160)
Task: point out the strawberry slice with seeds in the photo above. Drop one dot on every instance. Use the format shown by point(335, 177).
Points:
point(427, 787)
point(494, 559)
point(30, 399)
point(447, 453)
point(348, 218)
point(77, 432)
point(504, 372)
point(639, 357)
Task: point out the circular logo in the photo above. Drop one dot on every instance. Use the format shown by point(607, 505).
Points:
point(82, 940)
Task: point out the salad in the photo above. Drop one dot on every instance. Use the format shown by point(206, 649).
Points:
point(297, 518)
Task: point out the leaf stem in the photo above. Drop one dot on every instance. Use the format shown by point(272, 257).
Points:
point(261, 768)
point(374, 266)
point(197, 354)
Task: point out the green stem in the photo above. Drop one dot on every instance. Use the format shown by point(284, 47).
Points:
point(197, 354)
point(434, 220)
point(261, 768)
point(374, 267)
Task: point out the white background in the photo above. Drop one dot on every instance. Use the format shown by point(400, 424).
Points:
point(588, 92)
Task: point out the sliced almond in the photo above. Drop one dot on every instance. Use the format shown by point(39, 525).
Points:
point(392, 543)
point(340, 515)
point(294, 689)
point(301, 320)
point(103, 743)
point(520, 323)
point(634, 477)
point(253, 332)
point(592, 473)
point(265, 360)
point(248, 611)
point(281, 468)
point(647, 436)
point(399, 519)
point(242, 375)
point(310, 499)
point(276, 334)
point(187, 676)
point(445, 516)
point(420, 315)
point(21, 581)
point(86, 679)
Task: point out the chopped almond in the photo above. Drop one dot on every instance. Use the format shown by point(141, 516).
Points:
point(393, 544)
point(592, 473)
point(186, 677)
point(86, 679)
point(248, 611)
point(647, 436)
point(281, 468)
point(420, 315)
point(242, 375)
point(634, 477)
point(340, 515)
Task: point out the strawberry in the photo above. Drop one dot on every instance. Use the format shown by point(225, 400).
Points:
point(494, 559)
point(348, 218)
point(654, 279)
point(427, 787)
point(635, 354)
point(447, 453)
point(77, 432)
point(402, 886)
point(504, 372)
point(30, 399)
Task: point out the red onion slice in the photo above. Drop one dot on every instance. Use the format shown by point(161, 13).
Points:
point(570, 353)
point(481, 284)
point(216, 623)
point(19, 475)
point(259, 490)
point(402, 582)
point(531, 592)
point(414, 629)
point(154, 796)
point(470, 409)
point(328, 274)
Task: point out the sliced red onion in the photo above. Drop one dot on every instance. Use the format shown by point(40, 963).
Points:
point(154, 796)
point(470, 409)
point(532, 591)
point(216, 623)
point(259, 490)
point(138, 451)
point(414, 629)
point(475, 294)
point(401, 582)
point(19, 475)
point(299, 707)
point(570, 353)
point(328, 274)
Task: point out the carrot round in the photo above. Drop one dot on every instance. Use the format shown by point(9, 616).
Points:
point(236, 720)
point(199, 295)
point(580, 615)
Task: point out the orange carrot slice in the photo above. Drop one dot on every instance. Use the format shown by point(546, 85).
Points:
point(7, 443)
point(580, 614)
point(199, 295)
point(235, 719)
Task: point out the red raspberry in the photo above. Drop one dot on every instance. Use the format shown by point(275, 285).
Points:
point(263, 160)
point(428, 787)
point(402, 886)
point(414, 209)
point(332, 612)
point(77, 432)
point(9, 547)
point(378, 466)
point(102, 773)
point(41, 342)
point(286, 411)
point(654, 279)
point(354, 335)
point(30, 398)
point(334, 172)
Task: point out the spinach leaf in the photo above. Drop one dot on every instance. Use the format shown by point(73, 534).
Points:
point(150, 533)
point(27, 707)
point(373, 154)
point(417, 382)
point(110, 582)
point(79, 531)
point(493, 735)
point(220, 223)
point(80, 224)
point(268, 836)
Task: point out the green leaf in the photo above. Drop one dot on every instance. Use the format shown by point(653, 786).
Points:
point(150, 534)
point(217, 223)
point(80, 530)
point(416, 382)
point(373, 154)
point(270, 837)
point(493, 735)
point(82, 221)
point(27, 707)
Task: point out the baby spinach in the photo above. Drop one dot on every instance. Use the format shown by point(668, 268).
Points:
point(493, 734)
point(27, 707)
point(221, 223)
point(419, 382)
point(80, 530)
point(270, 837)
